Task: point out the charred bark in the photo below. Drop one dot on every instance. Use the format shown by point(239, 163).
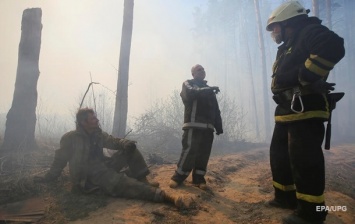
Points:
point(21, 118)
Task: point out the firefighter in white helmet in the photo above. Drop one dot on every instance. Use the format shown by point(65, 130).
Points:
point(282, 16)
point(308, 52)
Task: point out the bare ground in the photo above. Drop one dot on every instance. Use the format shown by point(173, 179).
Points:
point(240, 185)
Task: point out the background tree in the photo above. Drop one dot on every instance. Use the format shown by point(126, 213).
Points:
point(21, 118)
point(253, 97)
point(227, 33)
point(329, 13)
point(346, 77)
point(315, 6)
point(263, 71)
point(121, 106)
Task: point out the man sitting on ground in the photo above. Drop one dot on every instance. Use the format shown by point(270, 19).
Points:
point(90, 170)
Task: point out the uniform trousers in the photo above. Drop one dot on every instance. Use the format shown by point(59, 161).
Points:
point(297, 165)
point(196, 151)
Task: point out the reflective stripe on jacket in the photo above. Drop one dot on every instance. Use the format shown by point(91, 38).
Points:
point(201, 106)
point(306, 57)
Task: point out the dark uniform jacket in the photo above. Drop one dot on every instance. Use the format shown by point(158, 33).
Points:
point(201, 106)
point(306, 57)
point(80, 149)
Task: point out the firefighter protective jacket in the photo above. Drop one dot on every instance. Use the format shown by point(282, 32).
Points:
point(76, 147)
point(306, 57)
point(201, 106)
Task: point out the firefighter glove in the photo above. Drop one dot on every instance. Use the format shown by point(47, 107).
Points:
point(320, 86)
point(218, 132)
point(215, 89)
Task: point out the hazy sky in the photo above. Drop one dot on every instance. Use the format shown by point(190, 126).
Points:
point(83, 37)
point(79, 37)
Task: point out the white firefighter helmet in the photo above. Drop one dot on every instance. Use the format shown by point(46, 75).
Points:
point(284, 12)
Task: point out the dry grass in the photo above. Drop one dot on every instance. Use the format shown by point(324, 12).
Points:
point(17, 170)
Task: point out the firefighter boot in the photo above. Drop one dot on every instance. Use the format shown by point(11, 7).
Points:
point(306, 213)
point(282, 204)
point(199, 181)
point(295, 219)
point(285, 200)
point(202, 186)
point(173, 184)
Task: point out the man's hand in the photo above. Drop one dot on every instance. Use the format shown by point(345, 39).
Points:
point(215, 89)
point(209, 90)
point(320, 86)
point(218, 132)
point(128, 144)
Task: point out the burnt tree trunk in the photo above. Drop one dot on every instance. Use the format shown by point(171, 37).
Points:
point(121, 107)
point(21, 118)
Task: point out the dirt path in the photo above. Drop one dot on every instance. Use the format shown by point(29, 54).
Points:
point(240, 185)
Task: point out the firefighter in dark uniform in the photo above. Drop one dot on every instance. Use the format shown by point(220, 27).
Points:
point(308, 53)
point(201, 117)
point(91, 171)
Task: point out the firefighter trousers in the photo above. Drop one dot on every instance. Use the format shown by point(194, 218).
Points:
point(196, 151)
point(297, 165)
